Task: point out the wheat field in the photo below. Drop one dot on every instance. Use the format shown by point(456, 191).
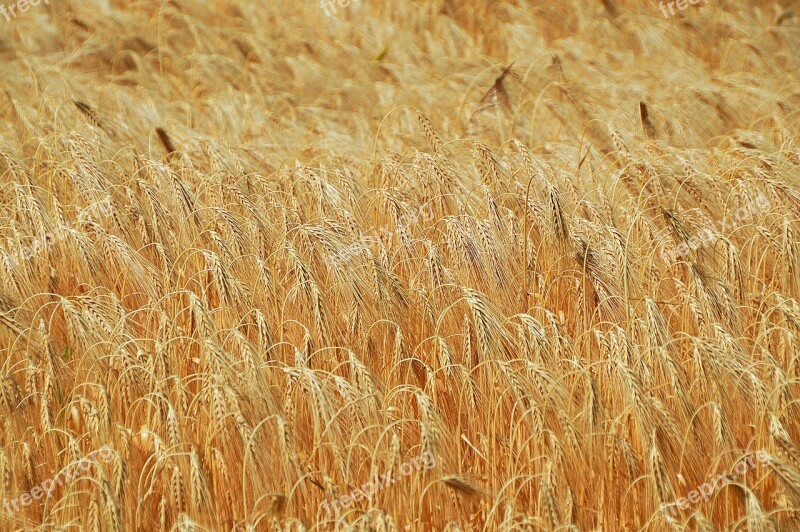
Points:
point(446, 265)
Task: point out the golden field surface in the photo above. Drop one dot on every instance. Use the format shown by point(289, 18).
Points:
point(393, 265)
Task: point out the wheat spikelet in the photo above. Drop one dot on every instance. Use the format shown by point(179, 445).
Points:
point(703, 523)
point(303, 355)
point(222, 481)
point(444, 355)
point(162, 513)
point(6, 473)
point(331, 490)
point(668, 422)
point(632, 461)
point(571, 436)
point(430, 429)
point(118, 476)
point(93, 522)
point(8, 321)
point(27, 464)
point(430, 133)
point(593, 406)
point(285, 436)
point(517, 386)
point(364, 379)
point(31, 373)
point(482, 320)
point(218, 408)
point(277, 504)
point(464, 486)
point(202, 320)
point(197, 481)
point(783, 441)
point(439, 274)
point(91, 416)
point(124, 438)
point(470, 356)
point(554, 448)
point(720, 427)
point(104, 409)
point(648, 127)
point(789, 475)
point(112, 517)
point(570, 510)
point(245, 430)
point(249, 356)
point(527, 160)
point(663, 486)
point(173, 427)
point(671, 522)
point(487, 163)
point(265, 338)
point(176, 490)
point(472, 388)
point(557, 219)
point(779, 383)
point(547, 499)
point(8, 393)
point(757, 519)
point(165, 140)
point(186, 524)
